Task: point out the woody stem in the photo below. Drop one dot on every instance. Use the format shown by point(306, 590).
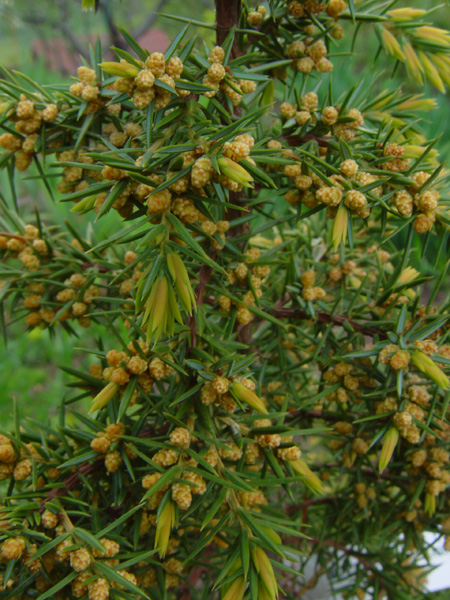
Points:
point(227, 17)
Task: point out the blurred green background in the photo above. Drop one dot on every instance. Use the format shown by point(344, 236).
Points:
point(44, 39)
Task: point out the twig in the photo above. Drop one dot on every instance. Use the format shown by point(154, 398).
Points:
point(13, 236)
point(348, 551)
point(306, 503)
point(63, 26)
point(323, 317)
point(204, 277)
point(319, 414)
point(115, 38)
point(311, 583)
point(296, 140)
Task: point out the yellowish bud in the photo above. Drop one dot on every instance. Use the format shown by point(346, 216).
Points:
point(430, 504)
point(340, 225)
point(84, 205)
point(262, 242)
point(392, 45)
point(103, 397)
point(234, 171)
point(7, 107)
point(158, 314)
point(413, 63)
point(390, 441)
point(122, 69)
point(236, 590)
point(273, 535)
point(418, 103)
point(180, 276)
point(431, 72)
point(434, 34)
point(264, 569)
point(412, 151)
point(408, 275)
point(245, 395)
point(430, 369)
point(88, 5)
point(443, 66)
point(405, 14)
point(164, 525)
point(309, 478)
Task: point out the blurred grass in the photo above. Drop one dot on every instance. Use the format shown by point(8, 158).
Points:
point(30, 373)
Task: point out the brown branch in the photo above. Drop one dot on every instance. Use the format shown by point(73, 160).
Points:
point(13, 236)
point(366, 470)
point(348, 551)
point(150, 21)
point(85, 468)
point(193, 578)
point(296, 140)
point(115, 37)
point(311, 583)
point(63, 25)
point(316, 414)
point(323, 317)
point(204, 277)
point(292, 508)
point(227, 17)
point(101, 268)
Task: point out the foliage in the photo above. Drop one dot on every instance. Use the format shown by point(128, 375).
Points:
point(278, 384)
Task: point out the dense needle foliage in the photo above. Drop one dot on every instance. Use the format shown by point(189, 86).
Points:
point(277, 390)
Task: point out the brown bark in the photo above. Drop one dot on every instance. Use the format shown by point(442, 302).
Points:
point(227, 17)
point(204, 277)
